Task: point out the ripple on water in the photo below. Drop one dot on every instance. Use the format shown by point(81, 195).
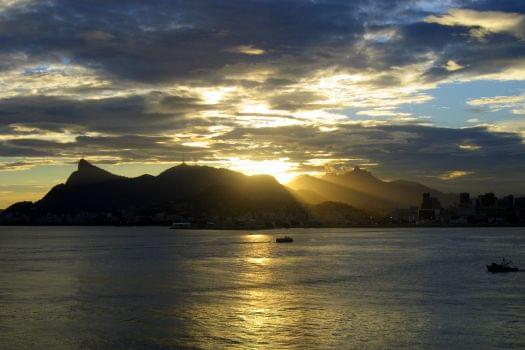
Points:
point(152, 288)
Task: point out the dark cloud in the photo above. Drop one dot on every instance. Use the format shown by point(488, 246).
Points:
point(163, 40)
point(119, 115)
point(158, 41)
point(515, 6)
point(128, 148)
point(7, 150)
point(296, 100)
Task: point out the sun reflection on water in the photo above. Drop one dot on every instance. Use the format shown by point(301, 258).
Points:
point(273, 297)
point(232, 290)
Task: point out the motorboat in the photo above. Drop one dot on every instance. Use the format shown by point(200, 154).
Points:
point(284, 239)
point(504, 266)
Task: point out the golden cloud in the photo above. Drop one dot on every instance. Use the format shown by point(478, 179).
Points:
point(483, 22)
point(247, 50)
point(453, 66)
point(454, 174)
point(516, 103)
point(469, 147)
point(53, 80)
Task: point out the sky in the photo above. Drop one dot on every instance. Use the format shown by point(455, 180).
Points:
point(428, 91)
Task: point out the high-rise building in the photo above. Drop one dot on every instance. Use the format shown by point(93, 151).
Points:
point(487, 209)
point(430, 209)
point(465, 210)
point(519, 207)
point(464, 199)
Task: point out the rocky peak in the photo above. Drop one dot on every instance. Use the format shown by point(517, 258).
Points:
point(87, 173)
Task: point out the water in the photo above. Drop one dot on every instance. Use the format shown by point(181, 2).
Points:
point(154, 288)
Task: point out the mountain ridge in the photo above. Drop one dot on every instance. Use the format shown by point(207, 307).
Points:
point(87, 173)
point(360, 188)
point(183, 190)
point(203, 194)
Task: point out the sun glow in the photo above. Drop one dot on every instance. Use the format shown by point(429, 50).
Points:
point(282, 169)
point(214, 95)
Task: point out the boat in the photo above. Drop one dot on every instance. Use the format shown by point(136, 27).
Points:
point(504, 266)
point(284, 239)
point(180, 225)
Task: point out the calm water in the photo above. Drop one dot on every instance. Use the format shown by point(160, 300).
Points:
point(154, 288)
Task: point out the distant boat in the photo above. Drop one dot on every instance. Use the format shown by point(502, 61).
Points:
point(180, 225)
point(504, 266)
point(284, 239)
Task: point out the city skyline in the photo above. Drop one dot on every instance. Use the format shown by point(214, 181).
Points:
point(426, 91)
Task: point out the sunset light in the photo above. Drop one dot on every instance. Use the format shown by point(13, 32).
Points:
point(282, 169)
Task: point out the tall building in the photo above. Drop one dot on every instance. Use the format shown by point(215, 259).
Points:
point(519, 207)
point(430, 209)
point(487, 209)
point(487, 200)
point(464, 199)
point(465, 210)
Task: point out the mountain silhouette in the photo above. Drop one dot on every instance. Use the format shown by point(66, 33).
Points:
point(307, 196)
point(203, 194)
point(89, 174)
point(360, 188)
point(336, 193)
point(337, 214)
point(189, 191)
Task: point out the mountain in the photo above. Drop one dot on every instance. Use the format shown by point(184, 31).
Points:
point(89, 174)
point(202, 194)
point(362, 189)
point(337, 193)
point(198, 192)
point(307, 196)
point(340, 214)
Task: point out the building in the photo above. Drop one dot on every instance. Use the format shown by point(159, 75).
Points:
point(487, 210)
point(464, 212)
point(430, 209)
point(465, 207)
point(519, 208)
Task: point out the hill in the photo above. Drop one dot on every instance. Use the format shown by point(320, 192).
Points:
point(336, 214)
point(360, 188)
point(337, 193)
point(213, 197)
point(197, 193)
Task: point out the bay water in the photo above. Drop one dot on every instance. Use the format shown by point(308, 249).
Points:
point(355, 288)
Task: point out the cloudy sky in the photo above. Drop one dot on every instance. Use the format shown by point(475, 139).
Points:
point(431, 91)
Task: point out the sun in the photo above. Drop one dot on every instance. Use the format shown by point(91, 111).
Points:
point(282, 169)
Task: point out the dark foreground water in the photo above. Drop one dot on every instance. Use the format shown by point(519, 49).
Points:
point(154, 288)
